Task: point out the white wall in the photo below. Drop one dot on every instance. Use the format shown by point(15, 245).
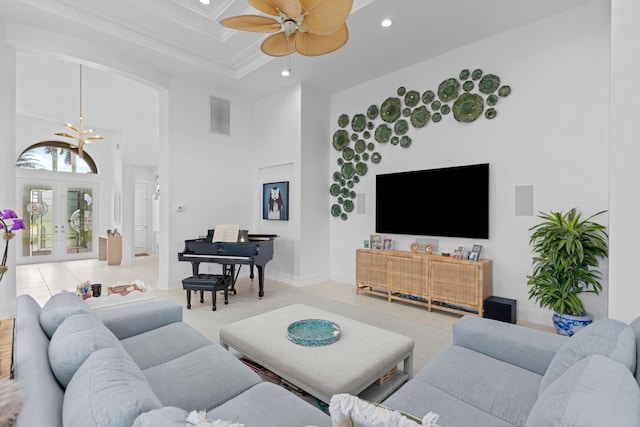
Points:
point(551, 132)
point(313, 250)
point(7, 167)
point(291, 130)
point(625, 152)
point(202, 171)
point(276, 157)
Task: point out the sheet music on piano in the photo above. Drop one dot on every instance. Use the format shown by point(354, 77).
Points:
point(225, 233)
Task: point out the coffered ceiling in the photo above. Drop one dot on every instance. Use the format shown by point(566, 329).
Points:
point(184, 37)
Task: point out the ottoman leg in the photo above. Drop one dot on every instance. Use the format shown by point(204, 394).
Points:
point(213, 297)
point(188, 299)
point(201, 296)
point(226, 295)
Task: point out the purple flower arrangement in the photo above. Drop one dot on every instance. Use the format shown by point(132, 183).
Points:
point(9, 222)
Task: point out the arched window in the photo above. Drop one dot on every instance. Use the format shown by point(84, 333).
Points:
point(56, 156)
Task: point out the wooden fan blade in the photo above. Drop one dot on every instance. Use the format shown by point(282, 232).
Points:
point(279, 44)
point(291, 8)
point(313, 44)
point(325, 17)
point(94, 138)
point(259, 24)
point(264, 6)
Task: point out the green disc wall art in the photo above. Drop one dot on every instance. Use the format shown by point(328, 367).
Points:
point(468, 97)
point(390, 110)
point(420, 116)
point(383, 133)
point(340, 139)
point(489, 83)
point(468, 107)
point(358, 123)
point(448, 90)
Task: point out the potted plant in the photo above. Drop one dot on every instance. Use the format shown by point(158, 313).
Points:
point(567, 252)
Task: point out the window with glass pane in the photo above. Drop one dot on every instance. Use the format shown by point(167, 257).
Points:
point(57, 157)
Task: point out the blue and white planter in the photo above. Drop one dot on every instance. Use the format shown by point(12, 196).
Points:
point(568, 325)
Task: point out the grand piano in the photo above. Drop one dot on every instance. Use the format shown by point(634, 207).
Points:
point(251, 249)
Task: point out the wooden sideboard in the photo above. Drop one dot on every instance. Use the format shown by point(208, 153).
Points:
point(431, 280)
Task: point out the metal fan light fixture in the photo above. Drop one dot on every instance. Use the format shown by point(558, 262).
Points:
point(309, 27)
point(83, 137)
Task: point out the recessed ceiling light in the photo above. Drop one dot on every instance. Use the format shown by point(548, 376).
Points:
point(205, 1)
point(286, 73)
point(386, 22)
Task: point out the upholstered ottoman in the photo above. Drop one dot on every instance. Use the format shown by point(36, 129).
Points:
point(364, 361)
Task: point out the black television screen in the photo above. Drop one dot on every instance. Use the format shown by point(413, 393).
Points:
point(452, 202)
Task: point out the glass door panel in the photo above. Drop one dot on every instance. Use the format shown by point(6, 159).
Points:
point(80, 220)
point(37, 204)
point(58, 218)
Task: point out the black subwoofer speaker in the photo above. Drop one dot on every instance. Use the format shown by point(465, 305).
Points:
point(498, 308)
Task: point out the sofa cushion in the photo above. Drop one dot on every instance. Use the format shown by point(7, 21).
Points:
point(74, 340)
point(200, 380)
point(503, 390)
point(107, 390)
point(151, 348)
point(59, 307)
point(419, 398)
point(269, 405)
point(608, 337)
point(596, 392)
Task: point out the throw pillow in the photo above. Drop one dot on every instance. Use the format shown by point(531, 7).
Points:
point(199, 419)
point(608, 337)
point(74, 340)
point(351, 411)
point(59, 307)
point(11, 396)
point(595, 392)
point(109, 389)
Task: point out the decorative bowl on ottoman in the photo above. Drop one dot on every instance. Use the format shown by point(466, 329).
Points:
point(313, 332)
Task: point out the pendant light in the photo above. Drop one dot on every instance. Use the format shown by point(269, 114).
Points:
point(82, 137)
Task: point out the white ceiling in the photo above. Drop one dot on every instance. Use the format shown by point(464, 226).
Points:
point(184, 37)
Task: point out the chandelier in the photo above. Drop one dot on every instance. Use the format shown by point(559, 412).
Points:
point(82, 137)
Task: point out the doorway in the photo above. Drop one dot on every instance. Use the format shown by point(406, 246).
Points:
point(59, 221)
point(141, 219)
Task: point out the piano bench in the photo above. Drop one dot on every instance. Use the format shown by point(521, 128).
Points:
point(207, 282)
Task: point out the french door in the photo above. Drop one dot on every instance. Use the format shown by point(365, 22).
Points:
point(59, 221)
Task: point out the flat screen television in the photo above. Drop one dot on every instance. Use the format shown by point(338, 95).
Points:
point(451, 202)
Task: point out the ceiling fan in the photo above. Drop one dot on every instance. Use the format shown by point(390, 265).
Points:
point(309, 27)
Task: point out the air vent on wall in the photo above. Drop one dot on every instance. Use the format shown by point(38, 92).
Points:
point(219, 115)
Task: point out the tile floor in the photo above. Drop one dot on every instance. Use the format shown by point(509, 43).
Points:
point(43, 280)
